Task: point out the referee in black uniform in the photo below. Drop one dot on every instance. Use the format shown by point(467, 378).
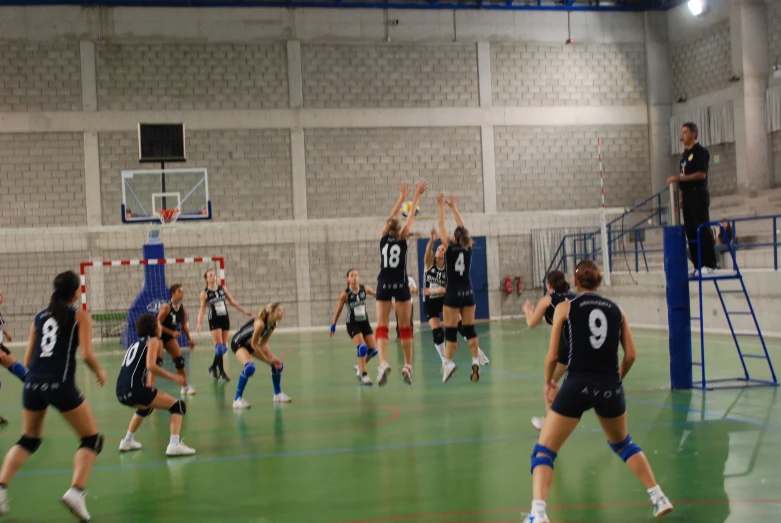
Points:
point(695, 199)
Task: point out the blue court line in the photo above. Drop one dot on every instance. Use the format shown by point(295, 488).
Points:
point(327, 452)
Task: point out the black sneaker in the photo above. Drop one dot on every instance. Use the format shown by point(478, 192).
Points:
point(213, 373)
point(224, 377)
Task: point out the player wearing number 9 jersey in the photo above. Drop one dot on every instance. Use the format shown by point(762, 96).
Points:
point(459, 301)
point(135, 387)
point(55, 335)
point(392, 284)
point(594, 380)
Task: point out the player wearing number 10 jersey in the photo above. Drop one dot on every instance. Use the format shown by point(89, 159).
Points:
point(392, 283)
point(459, 301)
point(594, 381)
point(55, 335)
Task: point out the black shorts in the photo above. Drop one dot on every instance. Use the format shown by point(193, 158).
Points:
point(143, 396)
point(236, 346)
point(39, 394)
point(166, 338)
point(579, 395)
point(359, 327)
point(5, 349)
point(458, 298)
point(433, 308)
point(392, 290)
point(220, 322)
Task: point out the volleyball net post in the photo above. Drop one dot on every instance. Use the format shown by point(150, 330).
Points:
point(603, 220)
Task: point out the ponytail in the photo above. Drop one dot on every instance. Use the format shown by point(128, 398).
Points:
point(558, 282)
point(65, 286)
point(462, 238)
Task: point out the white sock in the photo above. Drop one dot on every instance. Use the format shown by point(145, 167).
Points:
point(441, 350)
point(655, 493)
point(476, 361)
point(447, 360)
point(174, 440)
point(129, 436)
point(538, 506)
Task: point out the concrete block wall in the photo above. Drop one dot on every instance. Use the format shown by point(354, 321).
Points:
point(389, 75)
point(249, 172)
point(515, 259)
point(555, 168)
point(39, 76)
point(722, 176)
point(702, 64)
point(356, 172)
point(42, 180)
point(776, 141)
point(570, 75)
point(774, 31)
point(188, 76)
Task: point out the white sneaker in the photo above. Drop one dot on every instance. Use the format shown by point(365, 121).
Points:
point(448, 368)
point(483, 358)
point(406, 374)
point(282, 398)
point(537, 518)
point(382, 374)
point(189, 390)
point(366, 380)
point(241, 404)
point(708, 271)
point(662, 507)
point(74, 500)
point(179, 449)
point(3, 501)
point(537, 422)
point(127, 446)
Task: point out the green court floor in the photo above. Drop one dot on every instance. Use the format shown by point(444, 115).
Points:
point(427, 453)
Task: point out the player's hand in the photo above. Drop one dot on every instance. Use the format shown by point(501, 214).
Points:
point(333, 329)
point(190, 343)
point(249, 314)
point(427, 291)
point(198, 328)
point(176, 334)
point(673, 180)
point(528, 308)
point(452, 201)
point(8, 335)
point(550, 391)
point(441, 199)
point(404, 190)
point(276, 362)
point(100, 377)
point(421, 187)
point(433, 235)
point(179, 380)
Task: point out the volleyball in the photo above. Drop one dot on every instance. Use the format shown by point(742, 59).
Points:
point(406, 209)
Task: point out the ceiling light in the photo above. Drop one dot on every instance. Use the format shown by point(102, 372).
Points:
point(696, 7)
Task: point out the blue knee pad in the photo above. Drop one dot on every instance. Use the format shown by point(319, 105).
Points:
point(249, 370)
point(363, 350)
point(626, 449)
point(274, 370)
point(544, 461)
point(220, 349)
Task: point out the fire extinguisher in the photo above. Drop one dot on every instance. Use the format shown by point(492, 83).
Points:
point(508, 285)
point(520, 285)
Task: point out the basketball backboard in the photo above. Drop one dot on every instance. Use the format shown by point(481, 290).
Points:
point(146, 192)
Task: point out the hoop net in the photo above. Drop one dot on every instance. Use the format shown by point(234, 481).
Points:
point(168, 216)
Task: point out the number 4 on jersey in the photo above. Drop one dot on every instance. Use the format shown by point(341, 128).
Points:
point(460, 265)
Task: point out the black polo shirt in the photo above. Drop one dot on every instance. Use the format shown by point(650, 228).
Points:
point(695, 160)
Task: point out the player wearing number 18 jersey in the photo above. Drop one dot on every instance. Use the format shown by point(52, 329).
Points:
point(55, 335)
point(459, 301)
point(594, 380)
point(392, 283)
point(358, 327)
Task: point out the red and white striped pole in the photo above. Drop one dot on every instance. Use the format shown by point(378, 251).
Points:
point(605, 243)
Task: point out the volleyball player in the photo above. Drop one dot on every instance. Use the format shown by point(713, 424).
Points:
point(358, 327)
point(7, 359)
point(173, 318)
point(392, 284)
point(252, 340)
point(459, 301)
point(135, 387)
point(594, 381)
point(55, 334)
point(558, 291)
point(213, 299)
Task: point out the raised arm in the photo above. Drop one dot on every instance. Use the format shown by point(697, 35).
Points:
point(233, 302)
point(339, 306)
point(420, 188)
point(403, 193)
point(443, 235)
point(201, 312)
point(452, 202)
point(428, 258)
point(628, 343)
point(84, 321)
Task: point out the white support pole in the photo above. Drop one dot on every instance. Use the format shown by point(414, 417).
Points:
point(605, 246)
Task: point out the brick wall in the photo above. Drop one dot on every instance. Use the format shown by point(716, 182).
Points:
point(776, 140)
point(774, 31)
point(515, 259)
point(570, 75)
point(722, 176)
point(702, 64)
point(42, 180)
point(149, 76)
point(557, 168)
point(389, 76)
point(249, 172)
point(355, 172)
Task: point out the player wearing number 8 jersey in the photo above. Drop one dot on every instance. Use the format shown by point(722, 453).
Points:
point(358, 327)
point(594, 380)
point(55, 335)
point(392, 284)
point(459, 301)
point(135, 387)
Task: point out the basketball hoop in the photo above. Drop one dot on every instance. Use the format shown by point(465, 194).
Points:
point(168, 216)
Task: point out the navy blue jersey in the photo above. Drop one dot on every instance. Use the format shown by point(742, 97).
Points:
point(458, 262)
point(54, 355)
point(356, 305)
point(133, 372)
point(243, 336)
point(435, 279)
point(175, 317)
point(393, 260)
point(594, 323)
point(555, 299)
point(215, 302)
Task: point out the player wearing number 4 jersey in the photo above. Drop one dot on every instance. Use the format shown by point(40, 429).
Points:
point(594, 381)
point(459, 301)
point(173, 318)
point(213, 299)
point(55, 335)
point(135, 387)
point(358, 327)
point(7, 359)
point(392, 284)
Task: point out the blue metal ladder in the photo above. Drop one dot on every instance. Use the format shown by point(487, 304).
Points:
point(742, 381)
